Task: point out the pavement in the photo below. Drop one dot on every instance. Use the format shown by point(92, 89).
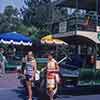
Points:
point(9, 80)
point(88, 97)
point(10, 89)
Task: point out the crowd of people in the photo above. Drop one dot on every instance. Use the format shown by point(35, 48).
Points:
point(29, 68)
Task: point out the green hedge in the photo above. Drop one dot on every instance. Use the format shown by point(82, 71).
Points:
point(98, 75)
point(87, 74)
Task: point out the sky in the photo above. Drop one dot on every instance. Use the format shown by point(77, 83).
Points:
point(16, 3)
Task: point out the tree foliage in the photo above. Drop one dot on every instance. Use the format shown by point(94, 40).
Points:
point(10, 20)
point(36, 12)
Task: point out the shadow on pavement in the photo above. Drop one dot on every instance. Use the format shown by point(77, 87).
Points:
point(20, 91)
point(22, 94)
point(66, 93)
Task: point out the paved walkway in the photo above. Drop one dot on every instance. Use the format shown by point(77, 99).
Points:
point(10, 89)
point(88, 97)
point(9, 81)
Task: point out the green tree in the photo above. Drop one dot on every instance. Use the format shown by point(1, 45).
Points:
point(37, 12)
point(11, 11)
point(9, 19)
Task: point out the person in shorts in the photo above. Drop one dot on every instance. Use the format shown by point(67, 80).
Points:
point(30, 71)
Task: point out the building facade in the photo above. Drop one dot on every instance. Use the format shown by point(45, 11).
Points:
point(80, 26)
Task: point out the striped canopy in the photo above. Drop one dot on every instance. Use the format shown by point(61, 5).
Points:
point(15, 38)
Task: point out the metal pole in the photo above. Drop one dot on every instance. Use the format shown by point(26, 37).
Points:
point(97, 10)
point(76, 17)
point(76, 26)
point(95, 51)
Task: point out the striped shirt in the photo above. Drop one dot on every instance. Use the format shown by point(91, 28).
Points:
point(30, 67)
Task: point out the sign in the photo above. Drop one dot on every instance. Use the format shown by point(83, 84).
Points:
point(99, 36)
point(98, 32)
point(97, 64)
point(98, 28)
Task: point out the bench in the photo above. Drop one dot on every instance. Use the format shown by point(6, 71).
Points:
point(13, 65)
point(41, 60)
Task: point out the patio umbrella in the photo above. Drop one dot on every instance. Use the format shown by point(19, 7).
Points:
point(15, 38)
point(50, 40)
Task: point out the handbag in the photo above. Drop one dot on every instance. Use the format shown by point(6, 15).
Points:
point(37, 75)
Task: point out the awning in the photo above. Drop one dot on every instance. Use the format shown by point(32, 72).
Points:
point(75, 39)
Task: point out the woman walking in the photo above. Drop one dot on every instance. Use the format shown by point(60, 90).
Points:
point(52, 76)
point(31, 67)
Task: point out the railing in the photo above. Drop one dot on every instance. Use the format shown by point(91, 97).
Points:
point(84, 23)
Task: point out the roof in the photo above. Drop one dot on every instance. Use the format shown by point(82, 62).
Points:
point(74, 39)
point(82, 4)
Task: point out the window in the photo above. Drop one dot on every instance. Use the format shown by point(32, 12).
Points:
point(63, 27)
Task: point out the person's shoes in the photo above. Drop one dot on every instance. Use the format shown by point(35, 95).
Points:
point(29, 99)
point(1, 76)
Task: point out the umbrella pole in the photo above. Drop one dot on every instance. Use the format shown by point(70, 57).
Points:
point(22, 50)
point(56, 51)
